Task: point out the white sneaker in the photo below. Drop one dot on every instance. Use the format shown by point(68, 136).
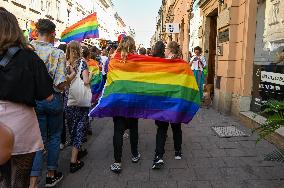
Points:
point(136, 159)
point(178, 155)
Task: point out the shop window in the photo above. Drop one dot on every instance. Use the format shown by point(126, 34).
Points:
point(268, 70)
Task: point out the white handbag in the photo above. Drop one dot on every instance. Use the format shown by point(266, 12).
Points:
point(79, 93)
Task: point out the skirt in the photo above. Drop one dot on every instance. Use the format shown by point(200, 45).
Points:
point(22, 120)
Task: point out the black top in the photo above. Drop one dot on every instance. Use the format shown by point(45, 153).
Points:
point(25, 79)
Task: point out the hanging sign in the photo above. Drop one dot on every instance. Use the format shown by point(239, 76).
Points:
point(172, 28)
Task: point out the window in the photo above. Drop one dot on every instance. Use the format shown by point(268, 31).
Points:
point(48, 7)
point(57, 9)
point(268, 69)
point(34, 4)
point(42, 5)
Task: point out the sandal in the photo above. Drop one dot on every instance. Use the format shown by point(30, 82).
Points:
point(82, 153)
point(74, 167)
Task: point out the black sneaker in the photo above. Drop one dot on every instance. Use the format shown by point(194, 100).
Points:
point(136, 159)
point(74, 167)
point(178, 155)
point(116, 168)
point(52, 181)
point(158, 163)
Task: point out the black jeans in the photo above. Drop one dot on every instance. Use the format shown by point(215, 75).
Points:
point(161, 137)
point(120, 125)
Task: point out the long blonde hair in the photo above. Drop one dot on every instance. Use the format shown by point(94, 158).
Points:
point(73, 50)
point(174, 47)
point(126, 46)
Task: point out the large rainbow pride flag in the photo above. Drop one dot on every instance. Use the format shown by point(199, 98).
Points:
point(150, 88)
point(97, 83)
point(84, 29)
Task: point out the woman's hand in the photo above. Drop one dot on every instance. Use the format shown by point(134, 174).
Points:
point(90, 76)
point(50, 98)
point(86, 77)
point(6, 143)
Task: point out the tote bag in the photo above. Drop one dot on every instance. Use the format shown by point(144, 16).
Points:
point(79, 93)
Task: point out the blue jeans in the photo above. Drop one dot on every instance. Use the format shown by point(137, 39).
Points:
point(50, 117)
point(199, 76)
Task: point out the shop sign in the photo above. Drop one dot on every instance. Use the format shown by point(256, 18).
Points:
point(172, 28)
point(268, 84)
point(223, 36)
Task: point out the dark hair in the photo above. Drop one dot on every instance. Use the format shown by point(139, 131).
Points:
point(45, 26)
point(174, 47)
point(142, 51)
point(198, 48)
point(159, 49)
point(85, 52)
point(10, 31)
point(62, 47)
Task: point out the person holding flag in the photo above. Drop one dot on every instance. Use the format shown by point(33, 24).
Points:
point(198, 65)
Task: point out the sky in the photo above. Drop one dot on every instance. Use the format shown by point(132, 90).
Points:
point(140, 15)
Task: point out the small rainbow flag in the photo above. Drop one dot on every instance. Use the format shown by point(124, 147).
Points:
point(97, 84)
point(84, 29)
point(150, 88)
point(32, 30)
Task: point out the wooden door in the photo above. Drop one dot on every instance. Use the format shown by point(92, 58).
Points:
point(212, 49)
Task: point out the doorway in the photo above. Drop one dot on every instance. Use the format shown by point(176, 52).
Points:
point(212, 47)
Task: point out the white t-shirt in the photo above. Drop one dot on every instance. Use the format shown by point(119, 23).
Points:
point(104, 59)
point(198, 62)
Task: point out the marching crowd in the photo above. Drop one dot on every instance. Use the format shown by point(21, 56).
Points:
point(38, 102)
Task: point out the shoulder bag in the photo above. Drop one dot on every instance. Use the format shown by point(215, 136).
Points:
point(79, 93)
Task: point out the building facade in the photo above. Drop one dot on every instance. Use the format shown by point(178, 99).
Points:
point(241, 41)
point(174, 11)
point(67, 12)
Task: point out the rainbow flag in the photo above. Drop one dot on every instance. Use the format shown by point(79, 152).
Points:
point(84, 29)
point(150, 88)
point(97, 84)
point(32, 30)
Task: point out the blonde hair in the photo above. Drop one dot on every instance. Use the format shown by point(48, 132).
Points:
point(73, 50)
point(174, 47)
point(126, 46)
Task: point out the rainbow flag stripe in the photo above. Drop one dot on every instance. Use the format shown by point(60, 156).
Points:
point(97, 84)
point(149, 88)
point(84, 29)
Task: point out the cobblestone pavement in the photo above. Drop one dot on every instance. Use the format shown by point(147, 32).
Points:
point(208, 161)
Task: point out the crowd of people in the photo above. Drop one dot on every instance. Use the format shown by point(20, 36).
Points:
point(37, 104)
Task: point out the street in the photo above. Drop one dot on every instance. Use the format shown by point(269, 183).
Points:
point(208, 161)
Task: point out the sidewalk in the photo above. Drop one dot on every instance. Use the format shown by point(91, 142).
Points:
point(208, 161)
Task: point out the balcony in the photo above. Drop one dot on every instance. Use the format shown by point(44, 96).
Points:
point(104, 3)
point(20, 3)
point(203, 2)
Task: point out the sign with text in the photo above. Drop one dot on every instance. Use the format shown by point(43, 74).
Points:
point(172, 28)
point(268, 83)
point(224, 36)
